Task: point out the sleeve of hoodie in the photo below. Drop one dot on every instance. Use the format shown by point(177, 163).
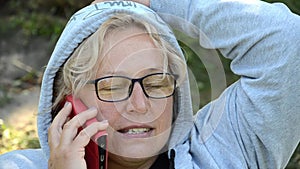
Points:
point(262, 40)
point(24, 159)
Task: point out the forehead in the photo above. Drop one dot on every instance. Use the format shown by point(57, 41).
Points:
point(131, 52)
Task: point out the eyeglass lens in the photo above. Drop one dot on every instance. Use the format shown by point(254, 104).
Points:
point(116, 88)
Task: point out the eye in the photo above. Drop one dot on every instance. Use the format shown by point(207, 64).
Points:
point(154, 85)
point(158, 82)
point(113, 87)
point(117, 87)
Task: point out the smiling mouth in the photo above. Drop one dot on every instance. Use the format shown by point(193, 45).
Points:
point(135, 131)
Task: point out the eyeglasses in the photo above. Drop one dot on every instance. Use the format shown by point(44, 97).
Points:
point(119, 88)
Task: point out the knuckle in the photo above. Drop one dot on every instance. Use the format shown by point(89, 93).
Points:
point(50, 129)
point(74, 122)
point(83, 134)
point(68, 125)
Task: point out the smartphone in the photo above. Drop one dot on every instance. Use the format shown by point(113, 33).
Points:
point(100, 138)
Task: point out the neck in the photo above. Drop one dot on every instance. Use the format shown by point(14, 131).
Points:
point(118, 162)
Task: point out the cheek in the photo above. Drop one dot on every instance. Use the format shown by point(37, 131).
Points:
point(88, 96)
point(165, 112)
point(107, 111)
point(160, 112)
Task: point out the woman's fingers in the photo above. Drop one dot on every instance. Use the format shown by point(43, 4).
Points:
point(85, 135)
point(70, 129)
point(55, 130)
point(66, 144)
point(62, 116)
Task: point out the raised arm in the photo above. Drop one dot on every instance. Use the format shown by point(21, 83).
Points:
point(262, 39)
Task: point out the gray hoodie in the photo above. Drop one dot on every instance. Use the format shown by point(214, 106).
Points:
point(254, 123)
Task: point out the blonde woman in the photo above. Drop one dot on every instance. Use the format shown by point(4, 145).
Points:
point(123, 62)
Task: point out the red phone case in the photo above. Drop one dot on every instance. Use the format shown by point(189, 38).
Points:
point(100, 138)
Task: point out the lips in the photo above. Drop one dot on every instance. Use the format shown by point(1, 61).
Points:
point(136, 131)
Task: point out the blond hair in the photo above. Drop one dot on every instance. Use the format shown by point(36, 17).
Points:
point(82, 64)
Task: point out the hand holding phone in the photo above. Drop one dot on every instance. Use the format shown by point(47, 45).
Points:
point(100, 138)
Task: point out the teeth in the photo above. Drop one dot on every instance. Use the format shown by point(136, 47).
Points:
point(138, 130)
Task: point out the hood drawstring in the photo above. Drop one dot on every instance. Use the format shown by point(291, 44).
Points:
point(172, 158)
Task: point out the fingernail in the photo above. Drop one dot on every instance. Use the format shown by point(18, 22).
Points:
point(93, 108)
point(66, 104)
point(104, 121)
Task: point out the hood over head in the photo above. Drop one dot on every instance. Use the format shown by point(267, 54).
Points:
point(80, 26)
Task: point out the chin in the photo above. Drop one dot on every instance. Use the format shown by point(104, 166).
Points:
point(138, 148)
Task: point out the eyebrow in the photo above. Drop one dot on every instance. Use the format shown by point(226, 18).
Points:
point(121, 72)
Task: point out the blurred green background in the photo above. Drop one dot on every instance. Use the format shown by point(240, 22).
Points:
point(46, 19)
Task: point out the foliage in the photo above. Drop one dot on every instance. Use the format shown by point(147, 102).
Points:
point(13, 139)
point(294, 5)
point(21, 135)
point(4, 96)
point(37, 17)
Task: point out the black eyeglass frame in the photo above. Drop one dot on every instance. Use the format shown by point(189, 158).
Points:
point(133, 80)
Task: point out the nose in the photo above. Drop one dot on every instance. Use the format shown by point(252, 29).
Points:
point(138, 100)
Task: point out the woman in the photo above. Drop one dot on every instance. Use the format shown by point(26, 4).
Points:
point(253, 124)
point(127, 74)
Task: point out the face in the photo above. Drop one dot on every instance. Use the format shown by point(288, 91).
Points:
point(139, 126)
